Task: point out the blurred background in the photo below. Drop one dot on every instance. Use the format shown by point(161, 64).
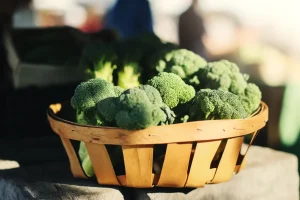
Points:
point(262, 37)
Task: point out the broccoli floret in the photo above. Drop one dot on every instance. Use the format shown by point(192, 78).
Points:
point(118, 90)
point(226, 76)
point(211, 104)
point(107, 109)
point(182, 62)
point(251, 98)
point(152, 94)
point(87, 94)
point(223, 75)
point(136, 108)
point(172, 88)
point(99, 60)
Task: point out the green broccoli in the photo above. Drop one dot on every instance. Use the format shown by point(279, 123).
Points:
point(251, 98)
point(118, 90)
point(172, 88)
point(136, 108)
point(226, 76)
point(86, 96)
point(223, 75)
point(85, 160)
point(211, 104)
point(182, 62)
point(99, 60)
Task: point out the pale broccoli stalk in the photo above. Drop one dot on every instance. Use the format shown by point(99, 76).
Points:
point(129, 70)
point(182, 62)
point(85, 160)
point(211, 104)
point(129, 75)
point(136, 108)
point(226, 76)
point(99, 60)
point(86, 96)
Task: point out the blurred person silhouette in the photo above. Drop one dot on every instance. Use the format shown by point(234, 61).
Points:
point(130, 18)
point(191, 30)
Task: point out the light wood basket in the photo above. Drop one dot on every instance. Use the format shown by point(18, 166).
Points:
point(191, 148)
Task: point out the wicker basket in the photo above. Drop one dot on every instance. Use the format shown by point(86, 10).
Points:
point(191, 148)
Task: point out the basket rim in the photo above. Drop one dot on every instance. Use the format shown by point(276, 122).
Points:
point(203, 130)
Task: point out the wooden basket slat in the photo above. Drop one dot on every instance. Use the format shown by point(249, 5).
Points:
point(175, 165)
point(205, 130)
point(200, 172)
point(101, 163)
point(73, 159)
point(228, 160)
point(138, 165)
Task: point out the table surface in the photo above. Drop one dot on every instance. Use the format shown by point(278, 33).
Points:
point(43, 173)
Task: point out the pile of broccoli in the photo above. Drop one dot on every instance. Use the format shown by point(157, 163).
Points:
point(123, 62)
point(143, 82)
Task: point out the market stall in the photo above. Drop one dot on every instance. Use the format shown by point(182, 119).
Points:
point(113, 111)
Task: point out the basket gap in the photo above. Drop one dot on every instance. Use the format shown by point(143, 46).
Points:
point(219, 153)
point(227, 164)
point(194, 145)
point(117, 158)
point(159, 152)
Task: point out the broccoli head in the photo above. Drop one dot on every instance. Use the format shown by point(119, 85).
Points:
point(211, 104)
point(223, 75)
point(251, 98)
point(182, 62)
point(87, 94)
point(99, 60)
point(172, 88)
point(136, 108)
point(226, 76)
